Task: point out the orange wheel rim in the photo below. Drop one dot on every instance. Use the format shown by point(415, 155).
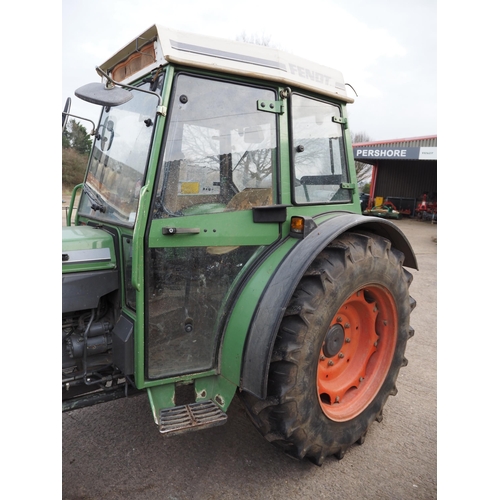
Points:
point(357, 353)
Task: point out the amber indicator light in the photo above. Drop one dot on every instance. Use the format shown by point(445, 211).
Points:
point(297, 224)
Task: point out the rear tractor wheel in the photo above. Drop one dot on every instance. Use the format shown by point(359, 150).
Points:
point(338, 351)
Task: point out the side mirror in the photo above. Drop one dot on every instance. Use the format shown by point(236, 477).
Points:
point(97, 93)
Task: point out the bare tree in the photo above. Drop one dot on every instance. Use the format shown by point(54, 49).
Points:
point(257, 39)
point(363, 170)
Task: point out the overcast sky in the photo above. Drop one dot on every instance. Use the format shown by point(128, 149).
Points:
point(386, 49)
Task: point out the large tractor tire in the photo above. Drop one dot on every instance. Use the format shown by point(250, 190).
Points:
point(338, 351)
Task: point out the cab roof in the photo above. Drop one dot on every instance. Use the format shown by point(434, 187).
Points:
point(228, 56)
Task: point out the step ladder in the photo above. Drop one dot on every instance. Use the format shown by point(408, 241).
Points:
point(194, 416)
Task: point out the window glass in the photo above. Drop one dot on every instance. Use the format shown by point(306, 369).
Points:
point(220, 151)
point(187, 287)
point(318, 152)
point(118, 161)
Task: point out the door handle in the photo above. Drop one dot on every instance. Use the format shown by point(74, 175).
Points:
point(170, 231)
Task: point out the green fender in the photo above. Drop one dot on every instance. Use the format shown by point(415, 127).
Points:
point(278, 292)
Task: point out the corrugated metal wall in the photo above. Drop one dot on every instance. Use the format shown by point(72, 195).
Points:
point(407, 179)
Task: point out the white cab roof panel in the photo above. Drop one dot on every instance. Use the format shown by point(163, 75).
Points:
point(232, 57)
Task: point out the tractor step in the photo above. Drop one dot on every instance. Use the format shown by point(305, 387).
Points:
point(194, 416)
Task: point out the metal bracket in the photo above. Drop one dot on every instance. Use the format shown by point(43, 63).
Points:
point(348, 185)
point(271, 106)
point(161, 110)
point(339, 119)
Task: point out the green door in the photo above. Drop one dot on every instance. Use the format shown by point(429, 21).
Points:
point(219, 160)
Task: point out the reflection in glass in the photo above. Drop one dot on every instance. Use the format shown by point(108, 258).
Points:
point(218, 145)
point(318, 152)
point(118, 161)
point(187, 287)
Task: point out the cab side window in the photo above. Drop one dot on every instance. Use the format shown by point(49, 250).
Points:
point(220, 150)
point(318, 153)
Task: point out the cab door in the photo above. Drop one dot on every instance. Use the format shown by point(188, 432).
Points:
point(219, 161)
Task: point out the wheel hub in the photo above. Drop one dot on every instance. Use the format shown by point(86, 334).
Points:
point(334, 341)
point(357, 352)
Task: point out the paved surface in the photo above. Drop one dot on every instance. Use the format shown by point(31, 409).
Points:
point(114, 450)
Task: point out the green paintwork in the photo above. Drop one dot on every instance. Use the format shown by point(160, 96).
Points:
point(216, 228)
point(209, 387)
point(237, 327)
point(84, 238)
point(72, 203)
point(277, 107)
point(341, 120)
point(161, 397)
point(356, 205)
point(223, 229)
point(221, 388)
point(138, 236)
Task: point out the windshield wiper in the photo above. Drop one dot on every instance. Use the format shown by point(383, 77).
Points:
point(97, 203)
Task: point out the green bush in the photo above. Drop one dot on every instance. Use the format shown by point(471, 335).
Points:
point(73, 168)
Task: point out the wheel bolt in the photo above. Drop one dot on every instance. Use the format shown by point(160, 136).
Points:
point(361, 379)
point(339, 319)
point(322, 358)
point(347, 325)
point(347, 340)
point(330, 362)
point(337, 399)
point(375, 344)
point(341, 355)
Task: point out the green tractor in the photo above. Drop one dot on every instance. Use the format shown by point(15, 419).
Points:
point(218, 248)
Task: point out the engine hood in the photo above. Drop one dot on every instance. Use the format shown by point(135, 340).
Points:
point(87, 248)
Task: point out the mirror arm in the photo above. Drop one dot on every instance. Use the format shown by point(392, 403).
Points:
point(110, 83)
point(81, 118)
